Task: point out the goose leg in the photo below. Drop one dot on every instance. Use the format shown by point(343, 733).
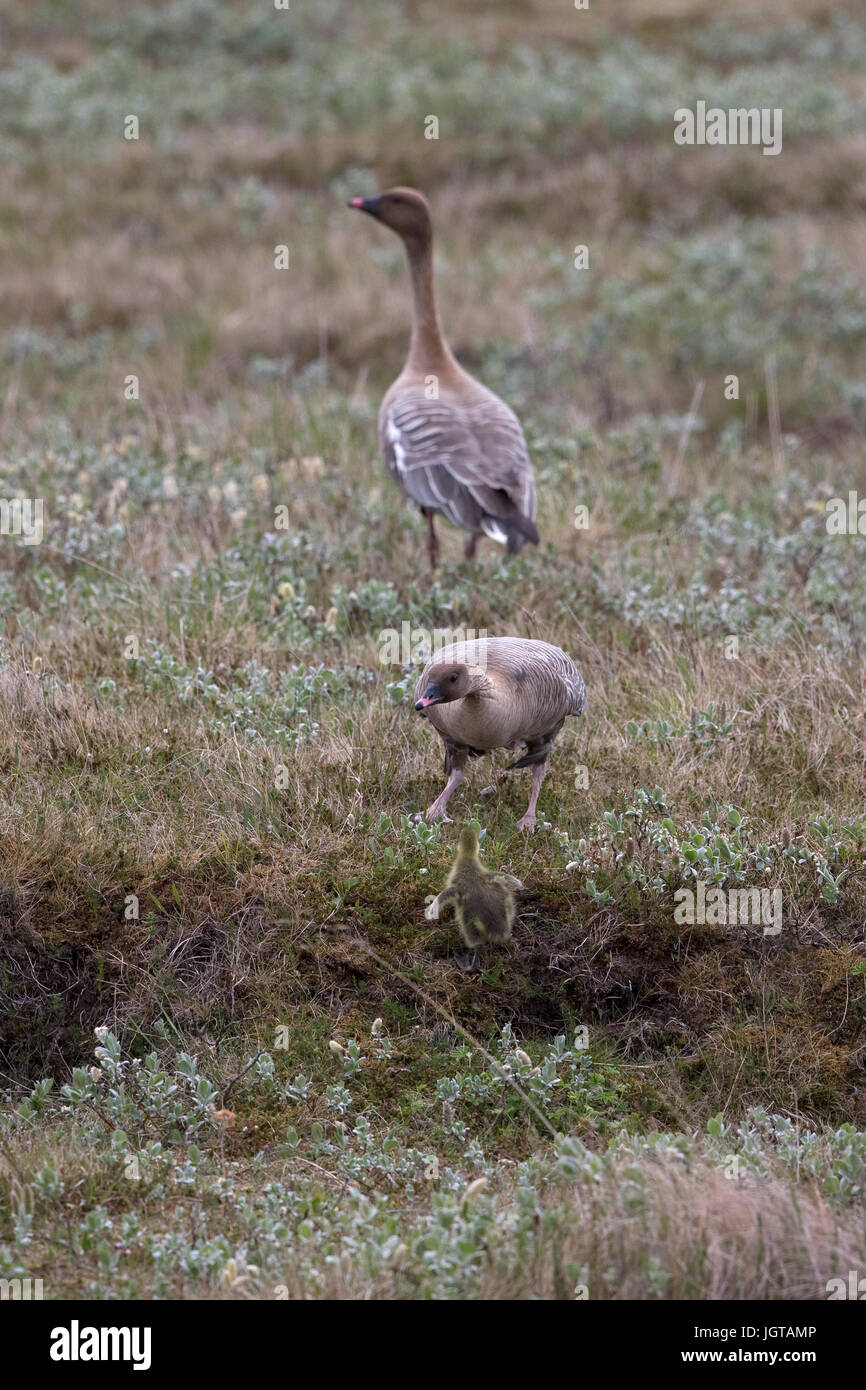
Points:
point(437, 810)
point(528, 821)
point(470, 547)
point(432, 538)
point(468, 962)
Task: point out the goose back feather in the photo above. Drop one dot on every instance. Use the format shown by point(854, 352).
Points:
point(463, 455)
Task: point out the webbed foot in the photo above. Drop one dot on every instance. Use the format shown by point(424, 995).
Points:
point(468, 963)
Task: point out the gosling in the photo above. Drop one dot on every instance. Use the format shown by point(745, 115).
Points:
point(482, 900)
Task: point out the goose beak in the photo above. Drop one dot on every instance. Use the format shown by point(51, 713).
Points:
point(370, 205)
point(432, 696)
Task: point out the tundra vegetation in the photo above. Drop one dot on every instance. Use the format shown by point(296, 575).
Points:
point(209, 842)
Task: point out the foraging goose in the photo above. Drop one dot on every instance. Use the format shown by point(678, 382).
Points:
point(493, 693)
point(451, 445)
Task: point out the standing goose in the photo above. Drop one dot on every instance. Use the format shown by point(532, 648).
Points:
point(493, 693)
point(451, 445)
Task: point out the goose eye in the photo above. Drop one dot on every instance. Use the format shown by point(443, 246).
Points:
point(453, 678)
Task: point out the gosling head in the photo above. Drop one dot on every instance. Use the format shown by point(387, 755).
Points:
point(468, 843)
point(404, 210)
point(450, 680)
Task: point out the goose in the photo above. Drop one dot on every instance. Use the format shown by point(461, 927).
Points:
point(495, 692)
point(452, 445)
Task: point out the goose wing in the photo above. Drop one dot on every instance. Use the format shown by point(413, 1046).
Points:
point(570, 684)
point(543, 675)
point(468, 462)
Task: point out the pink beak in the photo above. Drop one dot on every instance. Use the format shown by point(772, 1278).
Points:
point(356, 202)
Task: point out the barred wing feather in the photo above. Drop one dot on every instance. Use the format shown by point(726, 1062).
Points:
point(468, 462)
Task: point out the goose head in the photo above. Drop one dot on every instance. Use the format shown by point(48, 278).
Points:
point(404, 210)
point(450, 680)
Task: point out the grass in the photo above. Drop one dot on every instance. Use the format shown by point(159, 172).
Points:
point(209, 817)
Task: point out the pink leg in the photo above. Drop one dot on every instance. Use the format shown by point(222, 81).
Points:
point(437, 810)
point(432, 540)
point(528, 821)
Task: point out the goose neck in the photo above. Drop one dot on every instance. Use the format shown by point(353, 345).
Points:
point(428, 351)
point(481, 685)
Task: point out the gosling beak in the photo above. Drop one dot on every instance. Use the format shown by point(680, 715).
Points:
point(370, 205)
point(432, 696)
